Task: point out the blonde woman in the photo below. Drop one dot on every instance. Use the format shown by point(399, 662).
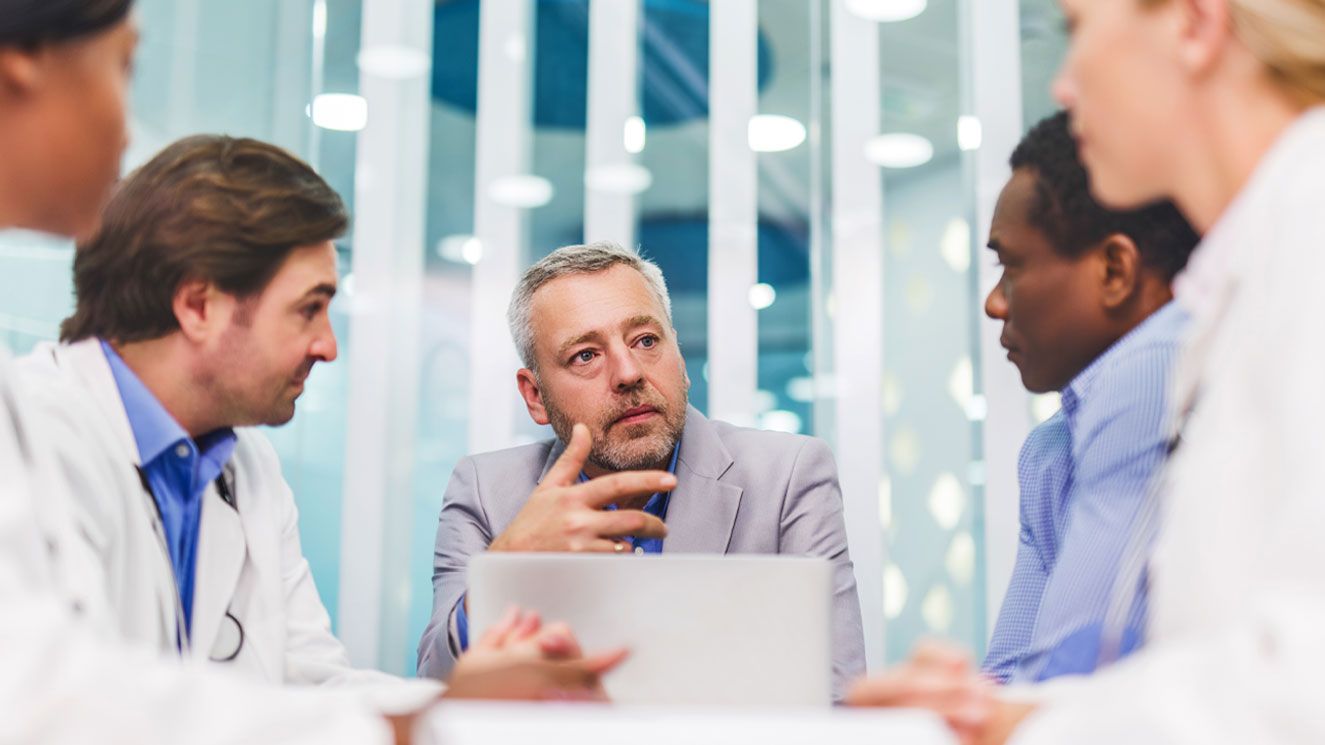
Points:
point(1216, 104)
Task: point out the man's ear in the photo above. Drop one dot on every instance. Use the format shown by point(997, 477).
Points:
point(1120, 262)
point(532, 395)
point(20, 71)
point(197, 308)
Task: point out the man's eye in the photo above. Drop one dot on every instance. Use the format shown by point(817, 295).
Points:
point(583, 357)
point(649, 342)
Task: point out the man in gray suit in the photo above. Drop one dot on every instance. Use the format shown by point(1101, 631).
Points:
point(642, 472)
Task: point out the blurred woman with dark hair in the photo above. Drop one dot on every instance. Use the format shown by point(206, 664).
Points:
point(64, 79)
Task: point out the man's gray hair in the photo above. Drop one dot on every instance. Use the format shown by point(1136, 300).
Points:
point(565, 261)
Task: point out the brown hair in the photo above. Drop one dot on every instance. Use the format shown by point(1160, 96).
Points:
point(220, 209)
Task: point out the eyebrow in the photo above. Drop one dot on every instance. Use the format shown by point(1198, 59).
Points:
point(582, 338)
point(631, 323)
point(326, 288)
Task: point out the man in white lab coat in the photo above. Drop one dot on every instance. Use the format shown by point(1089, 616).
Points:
point(202, 307)
point(66, 678)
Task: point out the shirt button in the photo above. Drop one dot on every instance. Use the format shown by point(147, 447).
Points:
point(639, 550)
point(182, 450)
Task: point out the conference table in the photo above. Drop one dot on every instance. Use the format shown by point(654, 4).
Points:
point(490, 723)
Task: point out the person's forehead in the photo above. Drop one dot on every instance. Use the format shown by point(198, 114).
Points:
point(578, 303)
point(307, 264)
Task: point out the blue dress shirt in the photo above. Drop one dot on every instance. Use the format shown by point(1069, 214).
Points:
point(1084, 474)
point(177, 469)
point(656, 506)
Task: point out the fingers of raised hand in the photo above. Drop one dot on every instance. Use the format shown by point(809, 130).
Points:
point(567, 468)
point(617, 487)
point(633, 523)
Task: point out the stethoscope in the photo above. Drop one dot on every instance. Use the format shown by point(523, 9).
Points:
point(231, 633)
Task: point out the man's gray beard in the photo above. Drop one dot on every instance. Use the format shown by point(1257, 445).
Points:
point(612, 455)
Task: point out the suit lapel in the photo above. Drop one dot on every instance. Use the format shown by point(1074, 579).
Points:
point(702, 510)
point(222, 549)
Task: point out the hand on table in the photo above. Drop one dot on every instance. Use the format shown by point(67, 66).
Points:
point(564, 514)
point(938, 676)
point(520, 659)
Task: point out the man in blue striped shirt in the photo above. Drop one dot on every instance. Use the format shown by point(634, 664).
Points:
point(1085, 302)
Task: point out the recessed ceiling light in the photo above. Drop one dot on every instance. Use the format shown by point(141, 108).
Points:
point(771, 133)
point(898, 150)
point(461, 248)
point(523, 190)
point(619, 178)
point(344, 112)
point(762, 296)
point(394, 62)
point(886, 11)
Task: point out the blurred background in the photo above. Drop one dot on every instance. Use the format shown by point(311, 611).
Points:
point(814, 177)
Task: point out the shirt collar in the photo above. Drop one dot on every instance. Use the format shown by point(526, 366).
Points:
point(154, 430)
point(1080, 386)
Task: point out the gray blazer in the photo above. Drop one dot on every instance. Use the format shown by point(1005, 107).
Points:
point(739, 491)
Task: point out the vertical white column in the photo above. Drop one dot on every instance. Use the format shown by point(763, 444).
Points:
point(821, 255)
point(609, 202)
point(292, 77)
point(733, 328)
point(505, 84)
point(995, 69)
point(390, 188)
point(857, 227)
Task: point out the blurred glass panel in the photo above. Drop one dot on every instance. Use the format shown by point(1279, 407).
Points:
point(928, 507)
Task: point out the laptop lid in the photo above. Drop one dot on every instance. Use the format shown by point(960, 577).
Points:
point(702, 630)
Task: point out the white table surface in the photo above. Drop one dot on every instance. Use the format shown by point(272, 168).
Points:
point(600, 724)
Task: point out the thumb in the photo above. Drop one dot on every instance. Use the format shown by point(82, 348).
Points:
point(566, 471)
point(604, 662)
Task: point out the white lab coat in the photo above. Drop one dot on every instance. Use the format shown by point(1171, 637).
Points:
point(66, 676)
point(1236, 642)
point(249, 563)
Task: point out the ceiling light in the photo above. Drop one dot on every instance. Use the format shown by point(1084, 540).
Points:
point(969, 132)
point(618, 178)
point(394, 62)
point(633, 135)
point(344, 112)
point(762, 295)
point(772, 133)
point(522, 190)
point(886, 11)
point(898, 150)
point(459, 248)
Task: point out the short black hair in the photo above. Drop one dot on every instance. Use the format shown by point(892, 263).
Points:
point(1071, 218)
point(32, 23)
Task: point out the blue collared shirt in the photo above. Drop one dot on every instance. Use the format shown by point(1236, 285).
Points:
point(177, 469)
point(656, 506)
point(1084, 474)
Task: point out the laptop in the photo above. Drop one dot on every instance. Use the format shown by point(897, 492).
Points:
point(702, 630)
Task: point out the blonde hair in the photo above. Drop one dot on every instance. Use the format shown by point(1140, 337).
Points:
point(1288, 37)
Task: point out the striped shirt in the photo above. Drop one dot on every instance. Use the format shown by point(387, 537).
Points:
point(1084, 474)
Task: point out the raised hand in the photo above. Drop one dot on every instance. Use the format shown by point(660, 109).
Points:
point(564, 514)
